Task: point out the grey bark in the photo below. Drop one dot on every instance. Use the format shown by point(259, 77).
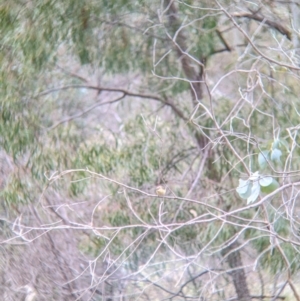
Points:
point(237, 272)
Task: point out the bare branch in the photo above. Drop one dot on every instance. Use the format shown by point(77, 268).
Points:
point(258, 17)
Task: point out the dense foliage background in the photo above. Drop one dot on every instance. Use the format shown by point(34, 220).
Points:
point(101, 101)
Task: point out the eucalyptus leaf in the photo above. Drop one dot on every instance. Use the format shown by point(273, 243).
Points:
point(271, 187)
point(276, 154)
point(244, 186)
point(254, 176)
point(283, 143)
point(246, 194)
point(275, 144)
point(262, 158)
point(265, 181)
point(254, 193)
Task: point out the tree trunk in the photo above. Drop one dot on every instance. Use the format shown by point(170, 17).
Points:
point(194, 73)
point(237, 271)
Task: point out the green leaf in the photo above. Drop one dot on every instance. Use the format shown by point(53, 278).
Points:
point(283, 143)
point(280, 144)
point(244, 189)
point(262, 158)
point(265, 181)
point(275, 144)
point(254, 176)
point(276, 154)
point(254, 193)
point(271, 187)
point(250, 188)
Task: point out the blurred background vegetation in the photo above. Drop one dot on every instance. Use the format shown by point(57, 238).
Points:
point(101, 101)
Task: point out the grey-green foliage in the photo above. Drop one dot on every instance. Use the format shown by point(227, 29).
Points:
point(119, 37)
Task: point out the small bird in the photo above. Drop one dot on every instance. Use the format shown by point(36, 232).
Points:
point(160, 191)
